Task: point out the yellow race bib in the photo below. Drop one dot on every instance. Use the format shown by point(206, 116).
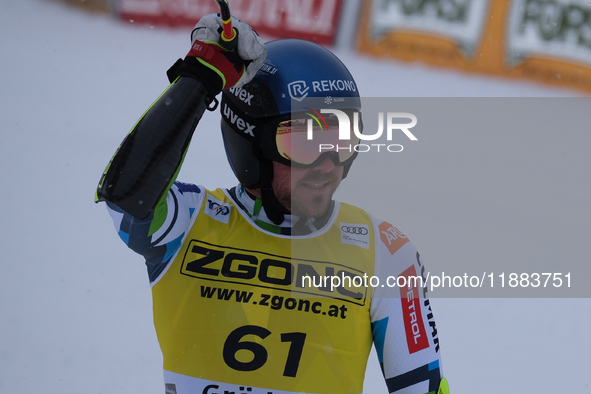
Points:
point(245, 307)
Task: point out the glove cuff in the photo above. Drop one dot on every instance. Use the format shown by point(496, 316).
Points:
point(192, 67)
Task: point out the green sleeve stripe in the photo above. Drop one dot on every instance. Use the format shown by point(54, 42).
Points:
point(160, 214)
point(161, 210)
point(443, 387)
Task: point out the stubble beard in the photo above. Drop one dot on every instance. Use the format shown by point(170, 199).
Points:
point(307, 205)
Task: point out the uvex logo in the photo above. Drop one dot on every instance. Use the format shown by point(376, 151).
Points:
point(242, 94)
point(240, 123)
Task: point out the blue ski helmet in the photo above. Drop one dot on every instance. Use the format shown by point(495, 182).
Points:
point(294, 70)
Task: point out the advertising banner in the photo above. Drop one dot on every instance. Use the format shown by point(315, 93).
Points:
point(542, 40)
point(549, 40)
point(314, 20)
point(441, 33)
point(103, 6)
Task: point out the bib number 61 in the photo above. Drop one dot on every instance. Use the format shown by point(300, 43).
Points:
point(233, 344)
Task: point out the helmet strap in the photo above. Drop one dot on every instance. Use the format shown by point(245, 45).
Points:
point(273, 208)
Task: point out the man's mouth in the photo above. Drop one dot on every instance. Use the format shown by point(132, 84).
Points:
point(316, 185)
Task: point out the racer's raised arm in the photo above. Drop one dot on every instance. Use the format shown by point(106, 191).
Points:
point(147, 161)
point(150, 215)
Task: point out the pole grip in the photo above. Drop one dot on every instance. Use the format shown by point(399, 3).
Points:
point(228, 37)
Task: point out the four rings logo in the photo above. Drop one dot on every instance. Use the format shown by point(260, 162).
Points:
point(355, 230)
point(355, 234)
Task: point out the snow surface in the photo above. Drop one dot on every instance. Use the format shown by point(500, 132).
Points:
point(75, 303)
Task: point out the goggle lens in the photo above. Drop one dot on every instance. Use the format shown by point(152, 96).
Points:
point(303, 139)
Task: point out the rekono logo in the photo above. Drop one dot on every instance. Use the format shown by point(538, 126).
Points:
point(299, 90)
point(394, 122)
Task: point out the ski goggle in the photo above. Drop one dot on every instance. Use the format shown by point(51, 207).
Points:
point(306, 136)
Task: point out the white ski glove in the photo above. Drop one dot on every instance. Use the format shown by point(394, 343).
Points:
point(250, 49)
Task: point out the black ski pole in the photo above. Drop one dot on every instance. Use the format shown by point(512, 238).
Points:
point(228, 36)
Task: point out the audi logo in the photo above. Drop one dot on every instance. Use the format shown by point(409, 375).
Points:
point(354, 230)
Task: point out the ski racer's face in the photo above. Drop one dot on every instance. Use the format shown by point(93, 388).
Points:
point(306, 191)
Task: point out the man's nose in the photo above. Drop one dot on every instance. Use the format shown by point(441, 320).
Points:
point(326, 165)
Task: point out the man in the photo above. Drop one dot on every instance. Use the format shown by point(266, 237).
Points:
point(228, 268)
